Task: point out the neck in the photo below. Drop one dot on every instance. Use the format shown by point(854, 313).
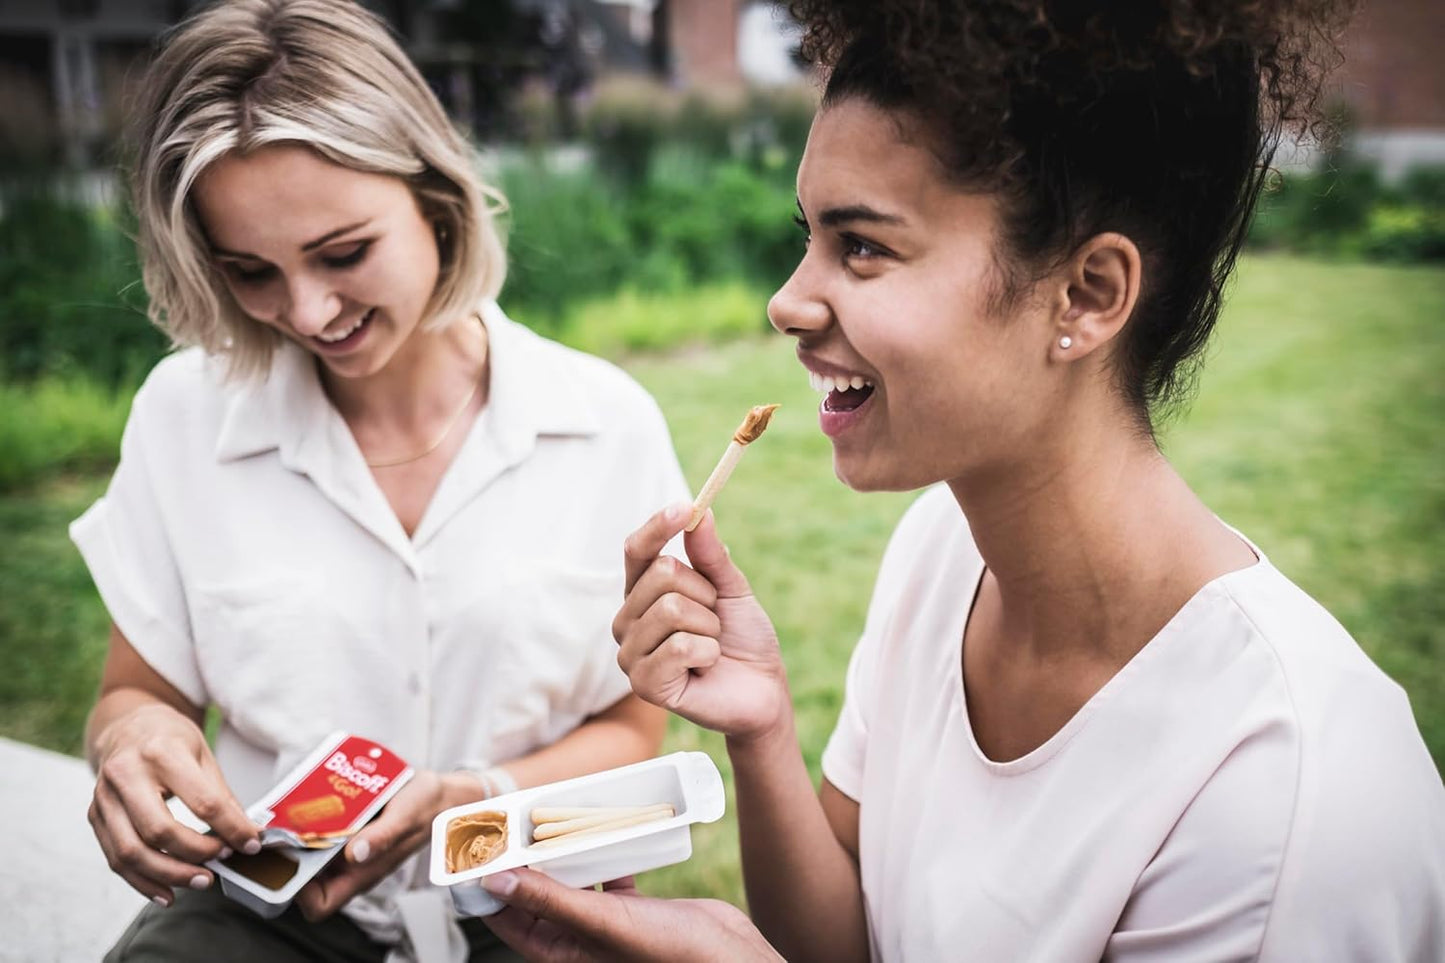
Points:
point(424, 381)
point(1094, 542)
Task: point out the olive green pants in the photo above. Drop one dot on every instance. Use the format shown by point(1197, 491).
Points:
point(206, 926)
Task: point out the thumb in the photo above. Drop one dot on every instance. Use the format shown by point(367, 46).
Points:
point(381, 834)
point(709, 556)
point(584, 912)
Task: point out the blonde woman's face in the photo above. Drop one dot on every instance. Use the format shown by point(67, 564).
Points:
point(340, 261)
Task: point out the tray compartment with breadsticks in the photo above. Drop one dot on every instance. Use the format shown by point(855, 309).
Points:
point(581, 831)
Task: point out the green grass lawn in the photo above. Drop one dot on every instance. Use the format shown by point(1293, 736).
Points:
point(1315, 431)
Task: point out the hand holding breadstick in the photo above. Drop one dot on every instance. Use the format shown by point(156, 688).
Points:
point(753, 425)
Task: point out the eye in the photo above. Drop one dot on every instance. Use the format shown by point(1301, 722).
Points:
point(855, 247)
point(349, 259)
point(802, 223)
point(243, 275)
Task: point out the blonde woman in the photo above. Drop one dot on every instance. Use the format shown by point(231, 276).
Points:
point(358, 498)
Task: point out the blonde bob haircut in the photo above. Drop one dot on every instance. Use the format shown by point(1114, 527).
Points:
point(326, 74)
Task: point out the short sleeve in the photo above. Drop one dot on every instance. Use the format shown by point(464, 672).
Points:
point(846, 753)
point(124, 542)
point(847, 747)
point(658, 482)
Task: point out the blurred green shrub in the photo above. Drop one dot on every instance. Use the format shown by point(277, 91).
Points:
point(632, 320)
point(58, 424)
point(70, 298)
point(1350, 212)
point(630, 122)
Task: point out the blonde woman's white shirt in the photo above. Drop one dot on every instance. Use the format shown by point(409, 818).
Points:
point(246, 552)
point(1250, 786)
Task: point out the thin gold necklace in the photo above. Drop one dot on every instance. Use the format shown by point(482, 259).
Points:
point(451, 423)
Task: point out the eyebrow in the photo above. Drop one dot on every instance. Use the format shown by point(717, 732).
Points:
point(308, 246)
point(834, 216)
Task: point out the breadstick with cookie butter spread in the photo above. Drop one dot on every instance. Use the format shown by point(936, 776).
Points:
point(748, 432)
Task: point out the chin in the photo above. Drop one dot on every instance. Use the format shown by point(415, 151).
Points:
point(881, 475)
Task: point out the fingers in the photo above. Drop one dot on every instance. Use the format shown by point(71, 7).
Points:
point(710, 557)
point(362, 865)
point(665, 574)
point(627, 885)
point(203, 789)
point(670, 614)
point(664, 674)
point(397, 832)
point(147, 870)
point(538, 940)
point(643, 545)
point(584, 913)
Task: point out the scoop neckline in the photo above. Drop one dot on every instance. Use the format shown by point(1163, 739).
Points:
point(1147, 654)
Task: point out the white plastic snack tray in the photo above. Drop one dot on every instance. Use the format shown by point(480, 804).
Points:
point(689, 781)
point(268, 902)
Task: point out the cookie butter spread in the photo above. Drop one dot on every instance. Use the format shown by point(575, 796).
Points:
point(474, 839)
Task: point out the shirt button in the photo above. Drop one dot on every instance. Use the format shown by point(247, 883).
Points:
point(413, 682)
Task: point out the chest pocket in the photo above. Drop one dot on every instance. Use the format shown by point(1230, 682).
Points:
point(286, 659)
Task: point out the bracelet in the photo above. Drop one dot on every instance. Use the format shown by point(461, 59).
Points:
point(498, 781)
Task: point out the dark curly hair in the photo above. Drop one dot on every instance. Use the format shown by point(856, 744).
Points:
point(1157, 120)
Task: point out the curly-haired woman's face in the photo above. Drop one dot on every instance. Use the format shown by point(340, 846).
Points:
point(893, 310)
point(340, 261)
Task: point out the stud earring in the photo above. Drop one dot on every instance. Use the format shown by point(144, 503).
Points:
point(1066, 342)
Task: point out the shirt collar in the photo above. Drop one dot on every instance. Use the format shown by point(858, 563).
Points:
point(531, 394)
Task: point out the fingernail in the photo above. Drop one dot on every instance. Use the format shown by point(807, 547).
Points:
point(360, 850)
point(200, 881)
point(225, 853)
point(252, 847)
point(676, 513)
point(161, 901)
point(502, 884)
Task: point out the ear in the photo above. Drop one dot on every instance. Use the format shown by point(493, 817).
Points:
point(1100, 287)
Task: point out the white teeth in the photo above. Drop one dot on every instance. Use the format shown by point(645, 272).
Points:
point(827, 383)
point(342, 336)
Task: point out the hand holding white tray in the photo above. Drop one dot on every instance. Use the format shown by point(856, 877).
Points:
point(689, 782)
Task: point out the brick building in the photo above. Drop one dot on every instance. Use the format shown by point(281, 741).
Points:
point(1393, 80)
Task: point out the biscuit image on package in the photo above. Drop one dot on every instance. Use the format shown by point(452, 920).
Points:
point(313, 811)
point(474, 839)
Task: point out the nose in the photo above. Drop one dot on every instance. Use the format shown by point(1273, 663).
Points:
point(797, 308)
point(312, 305)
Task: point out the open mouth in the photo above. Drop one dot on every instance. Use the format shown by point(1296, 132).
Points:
point(841, 393)
point(346, 335)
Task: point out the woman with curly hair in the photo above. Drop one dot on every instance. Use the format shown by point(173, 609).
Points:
point(1086, 718)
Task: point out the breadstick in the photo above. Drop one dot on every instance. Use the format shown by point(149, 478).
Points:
point(557, 814)
point(548, 830)
point(622, 823)
point(753, 425)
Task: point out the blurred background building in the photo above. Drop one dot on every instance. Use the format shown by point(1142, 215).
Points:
point(66, 66)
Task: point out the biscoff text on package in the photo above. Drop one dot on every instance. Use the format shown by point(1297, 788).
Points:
point(338, 764)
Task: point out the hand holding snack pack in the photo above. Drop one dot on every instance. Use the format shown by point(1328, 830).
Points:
point(150, 754)
point(347, 792)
